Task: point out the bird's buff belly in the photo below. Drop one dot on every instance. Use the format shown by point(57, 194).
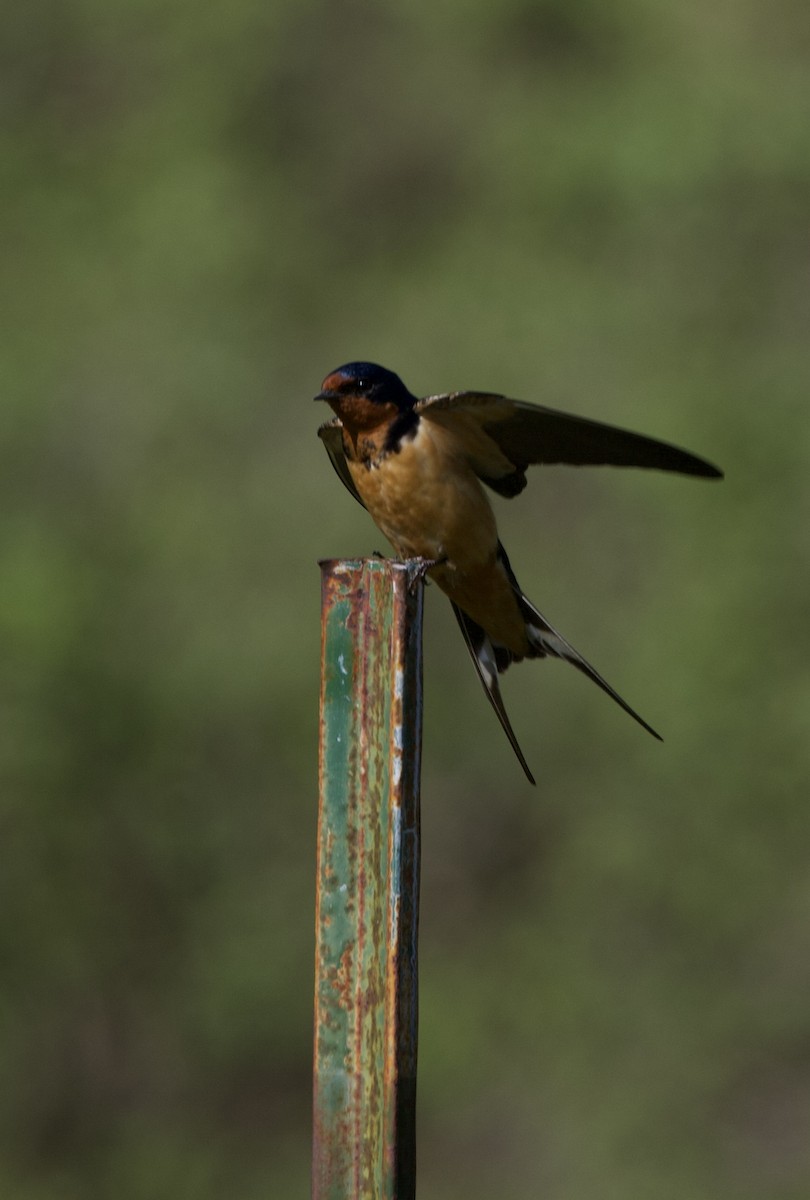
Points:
point(429, 506)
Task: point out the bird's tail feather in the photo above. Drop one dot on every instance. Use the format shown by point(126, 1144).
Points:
point(489, 660)
point(544, 640)
point(492, 659)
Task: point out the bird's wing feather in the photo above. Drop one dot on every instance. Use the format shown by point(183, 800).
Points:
point(472, 418)
point(530, 433)
point(331, 434)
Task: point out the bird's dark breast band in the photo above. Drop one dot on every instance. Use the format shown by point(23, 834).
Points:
point(404, 425)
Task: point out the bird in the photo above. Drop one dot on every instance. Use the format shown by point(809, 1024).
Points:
point(420, 467)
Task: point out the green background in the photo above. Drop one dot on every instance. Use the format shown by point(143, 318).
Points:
point(205, 208)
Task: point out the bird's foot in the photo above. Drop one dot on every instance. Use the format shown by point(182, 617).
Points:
point(421, 566)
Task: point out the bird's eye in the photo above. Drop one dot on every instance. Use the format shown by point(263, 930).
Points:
point(361, 385)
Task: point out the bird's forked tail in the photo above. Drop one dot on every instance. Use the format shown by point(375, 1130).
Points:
point(491, 659)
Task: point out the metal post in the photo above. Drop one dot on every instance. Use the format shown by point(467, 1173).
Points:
point(368, 882)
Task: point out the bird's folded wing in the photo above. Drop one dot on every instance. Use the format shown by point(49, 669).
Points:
point(331, 434)
point(529, 433)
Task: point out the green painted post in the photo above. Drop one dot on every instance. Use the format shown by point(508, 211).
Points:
point(367, 903)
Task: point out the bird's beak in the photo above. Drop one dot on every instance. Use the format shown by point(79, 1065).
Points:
point(327, 396)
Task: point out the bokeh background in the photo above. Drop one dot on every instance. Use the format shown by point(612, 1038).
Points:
point(599, 206)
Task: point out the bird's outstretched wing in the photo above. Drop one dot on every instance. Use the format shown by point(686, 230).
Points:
point(331, 434)
point(520, 434)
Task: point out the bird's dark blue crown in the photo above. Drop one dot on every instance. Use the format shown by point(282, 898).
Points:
point(378, 384)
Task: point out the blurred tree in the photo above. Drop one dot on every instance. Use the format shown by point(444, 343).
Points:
point(205, 210)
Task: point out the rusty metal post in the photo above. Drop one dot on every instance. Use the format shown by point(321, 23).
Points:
point(367, 902)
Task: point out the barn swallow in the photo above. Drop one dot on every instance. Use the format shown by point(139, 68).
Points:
point(418, 467)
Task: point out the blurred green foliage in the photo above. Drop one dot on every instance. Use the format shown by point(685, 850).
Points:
point(206, 209)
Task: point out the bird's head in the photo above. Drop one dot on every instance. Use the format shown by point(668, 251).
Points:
point(364, 394)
